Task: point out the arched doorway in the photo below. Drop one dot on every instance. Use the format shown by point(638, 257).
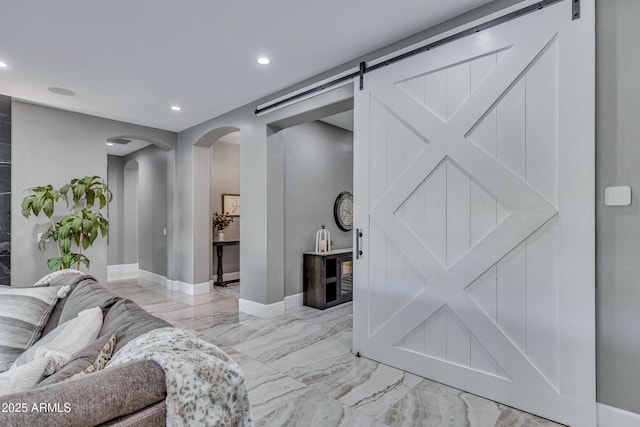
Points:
point(212, 178)
point(139, 244)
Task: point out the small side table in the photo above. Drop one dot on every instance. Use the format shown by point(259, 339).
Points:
point(327, 278)
point(219, 245)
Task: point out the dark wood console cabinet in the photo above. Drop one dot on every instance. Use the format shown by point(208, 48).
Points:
point(327, 278)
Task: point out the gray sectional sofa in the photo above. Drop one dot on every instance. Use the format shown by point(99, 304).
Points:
point(126, 395)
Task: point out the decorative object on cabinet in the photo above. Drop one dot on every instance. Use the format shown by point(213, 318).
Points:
point(231, 204)
point(327, 278)
point(220, 222)
point(323, 240)
point(343, 211)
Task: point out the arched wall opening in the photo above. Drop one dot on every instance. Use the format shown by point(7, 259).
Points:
point(262, 292)
point(139, 175)
point(309, 162)
point(216, 171)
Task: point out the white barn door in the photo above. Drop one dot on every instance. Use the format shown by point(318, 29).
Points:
point(474, 189)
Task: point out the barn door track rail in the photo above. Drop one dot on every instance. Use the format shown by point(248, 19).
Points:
point(364, 69)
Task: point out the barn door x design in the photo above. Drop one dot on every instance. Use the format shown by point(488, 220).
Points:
point(467, 158)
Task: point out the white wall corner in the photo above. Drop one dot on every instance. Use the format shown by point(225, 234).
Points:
point(608, 416)
point(265, 311)
point(122, 271)
point(293, 301)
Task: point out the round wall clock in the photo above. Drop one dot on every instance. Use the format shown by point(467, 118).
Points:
point(343, 211)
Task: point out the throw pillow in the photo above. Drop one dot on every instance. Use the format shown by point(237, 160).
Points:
point(92, 358)
point(22, 378)
point(88, 294)
point(65, 340)
point(58, 276)
point(130, 320)
point(72, 280)
point(23, 315)
point(102, 358)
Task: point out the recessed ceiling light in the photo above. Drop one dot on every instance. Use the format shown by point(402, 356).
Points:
point(61, 91)
point(175, 108)
point(109, 144)
point(3, 65)
point(263, 60)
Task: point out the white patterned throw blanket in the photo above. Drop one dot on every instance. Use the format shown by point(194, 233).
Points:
point(205, 387)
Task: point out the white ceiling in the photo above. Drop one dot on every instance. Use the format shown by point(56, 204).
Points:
point(131, 60)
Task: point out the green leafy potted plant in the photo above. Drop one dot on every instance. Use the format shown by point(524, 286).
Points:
point(77, 230)
point(220, 222)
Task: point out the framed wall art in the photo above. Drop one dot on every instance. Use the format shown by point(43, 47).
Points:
point(231, 204)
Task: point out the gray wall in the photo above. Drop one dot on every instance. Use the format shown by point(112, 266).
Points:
point(53, 146)
point(618, 228)
point(130, 217)
point(275, 215)
point(123, 211)
point(318, 165)
point(115, 243)
point(152, 207)
point(225, 179)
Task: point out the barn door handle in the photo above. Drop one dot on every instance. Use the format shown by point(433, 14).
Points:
point(358, 237)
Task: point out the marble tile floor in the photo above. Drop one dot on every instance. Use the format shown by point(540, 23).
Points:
point(300, 370)
point(231, 290)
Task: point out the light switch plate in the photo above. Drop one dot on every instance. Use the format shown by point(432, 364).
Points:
point(617, 196)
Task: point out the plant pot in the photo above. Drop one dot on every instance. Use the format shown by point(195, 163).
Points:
point(220, 235)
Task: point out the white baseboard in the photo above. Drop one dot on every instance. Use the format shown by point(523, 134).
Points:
point(188, 288)
point(201, 288)
point(227, 276)
point(176, 285)
point(234, 275)
point(608, 416)
point(266, 311)
point(122, 271)
point(152, 277)
point(292, 301)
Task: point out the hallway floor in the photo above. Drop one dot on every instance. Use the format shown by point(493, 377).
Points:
point(300, 370)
